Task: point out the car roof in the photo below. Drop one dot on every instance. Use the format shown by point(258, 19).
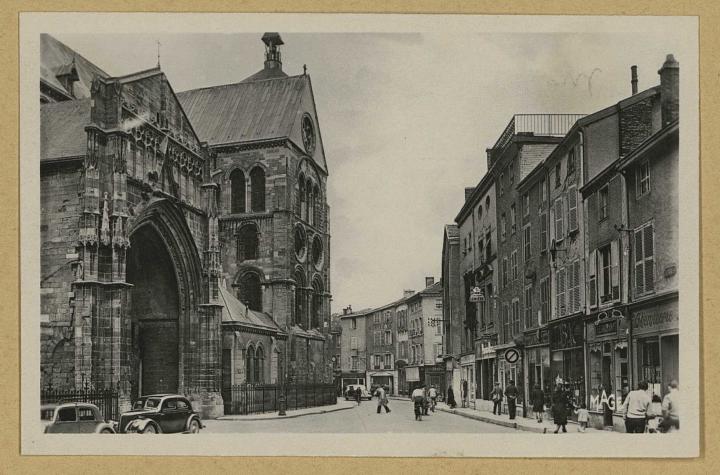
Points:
point(75, 404)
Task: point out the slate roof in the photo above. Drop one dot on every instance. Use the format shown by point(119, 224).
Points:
point(245, 111)
point(56, 57)
point(62, 129)
point(234, 311)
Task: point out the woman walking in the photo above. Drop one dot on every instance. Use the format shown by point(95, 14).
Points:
point(451, 397)
point(538, 403)
point(559, 409)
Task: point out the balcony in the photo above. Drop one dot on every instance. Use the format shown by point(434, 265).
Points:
point(553, 125)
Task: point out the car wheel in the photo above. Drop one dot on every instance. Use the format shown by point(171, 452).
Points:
point(150, 429)
point(106, 431)
point(194, 426)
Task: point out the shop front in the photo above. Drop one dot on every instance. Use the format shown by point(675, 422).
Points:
point(510, 371)
point(467, 383)
point(348, 378)
point(382, 378)
point(567, 359)
point(607, 366)
point(655, 344)
point(537, 355)
point(486, 371)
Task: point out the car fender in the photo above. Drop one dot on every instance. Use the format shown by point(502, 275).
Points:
point(103, 426)
point(190, 418)
point(139, 425)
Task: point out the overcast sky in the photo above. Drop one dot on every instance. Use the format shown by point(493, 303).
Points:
point(405, 120)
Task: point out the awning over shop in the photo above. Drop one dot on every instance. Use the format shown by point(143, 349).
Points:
point(412, 374)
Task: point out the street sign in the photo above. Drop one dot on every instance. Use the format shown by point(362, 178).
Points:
point(512, 355)
point(476, 295)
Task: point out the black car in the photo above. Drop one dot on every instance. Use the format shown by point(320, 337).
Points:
point(160, 413)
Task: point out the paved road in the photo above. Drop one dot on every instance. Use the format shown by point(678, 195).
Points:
point(362, 419)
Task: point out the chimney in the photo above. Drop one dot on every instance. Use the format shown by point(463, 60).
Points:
point(345, 311)
point(408, 293)
point(272, 51)
point(669, 90)
point(633, 79)
point(349, 308)
point(468, 192)
point(429, 281)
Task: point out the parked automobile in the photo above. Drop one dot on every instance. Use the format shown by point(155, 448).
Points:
point(160, 414)
point(352, 388)
point(74, 418)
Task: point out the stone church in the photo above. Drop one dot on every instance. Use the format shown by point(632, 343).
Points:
point(184, 236)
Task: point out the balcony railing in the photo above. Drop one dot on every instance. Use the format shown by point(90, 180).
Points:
point(554, 125)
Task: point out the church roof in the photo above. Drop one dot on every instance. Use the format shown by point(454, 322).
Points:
point(247, 111)
point(62, 129)
point(234, 311)
point(266, 73)
point(56, 58)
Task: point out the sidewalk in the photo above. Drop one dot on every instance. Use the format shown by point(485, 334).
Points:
point(519, 423)
point(340, 406)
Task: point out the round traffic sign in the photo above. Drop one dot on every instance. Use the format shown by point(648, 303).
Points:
point(512, 355)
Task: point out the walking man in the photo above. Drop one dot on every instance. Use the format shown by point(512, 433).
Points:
point(382, 400)
point(433, 397)
point(418, 398)
point(358, 394)
point(636, 408)
point(670, 408)
point(511, 393)
point(497, 397)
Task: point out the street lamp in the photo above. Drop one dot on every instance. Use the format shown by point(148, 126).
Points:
point(281, 399)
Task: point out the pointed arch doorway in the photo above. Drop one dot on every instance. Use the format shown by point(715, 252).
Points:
point(154, 314)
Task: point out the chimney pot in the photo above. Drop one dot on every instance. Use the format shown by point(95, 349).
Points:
point(634, 79)
point(669, 90)
point(429, 281)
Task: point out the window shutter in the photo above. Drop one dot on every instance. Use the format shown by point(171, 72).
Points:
point(560, 292)
point(576, 287)
point(543, 232)
point(572, 210)
point(614, 270)
point(649, 254)
point(558, 219)
point(639, 268)
point(592, 281)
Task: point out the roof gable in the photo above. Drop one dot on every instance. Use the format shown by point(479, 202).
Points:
point(252, 111)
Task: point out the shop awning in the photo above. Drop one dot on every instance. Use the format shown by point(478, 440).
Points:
point(412, 374)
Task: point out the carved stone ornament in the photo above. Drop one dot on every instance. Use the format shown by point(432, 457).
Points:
point(105, 223)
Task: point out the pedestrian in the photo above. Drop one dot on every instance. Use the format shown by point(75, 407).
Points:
point(511, 394)
point(418, 397)
point(559, 409)
point(583, 416)
point(636, 408)
point(538, 403)
point(497, 398)
point(432, 393)
point(671, 408)
point(382, 399)
point(464, 392)
point(653, 422)
point(358, 394)
point(451, 398)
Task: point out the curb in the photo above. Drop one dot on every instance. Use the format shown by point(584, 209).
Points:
point(290, 416)
point(512, 425)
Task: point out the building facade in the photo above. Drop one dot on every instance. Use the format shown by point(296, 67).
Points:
point(425, 337)
point(173, 270)
point(354, 357)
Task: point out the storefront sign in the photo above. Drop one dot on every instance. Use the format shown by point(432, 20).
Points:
point(606, 327)
point(655, 319)
point(412, 374)
point(597, 401)
point(535, 338)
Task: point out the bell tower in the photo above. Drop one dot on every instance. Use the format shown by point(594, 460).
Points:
point(272, 51)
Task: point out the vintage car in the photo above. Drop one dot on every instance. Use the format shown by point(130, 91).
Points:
point(160, 414)
point(74, 418)
point(352, 388)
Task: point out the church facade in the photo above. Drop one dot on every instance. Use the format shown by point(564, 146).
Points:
point(185, 237)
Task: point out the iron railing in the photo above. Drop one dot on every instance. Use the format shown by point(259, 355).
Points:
point(107, 400)
point(554, 125)
point(258, 398)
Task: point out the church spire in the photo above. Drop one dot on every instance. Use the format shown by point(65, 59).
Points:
point(272, 51)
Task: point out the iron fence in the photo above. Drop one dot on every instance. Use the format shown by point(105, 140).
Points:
point(259, 398)
point(107, 400)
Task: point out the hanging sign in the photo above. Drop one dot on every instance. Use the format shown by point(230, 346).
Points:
point(512, 355)
point(476, 295)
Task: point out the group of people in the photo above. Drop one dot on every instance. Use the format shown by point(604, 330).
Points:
point(425, 399)
point(643, 413)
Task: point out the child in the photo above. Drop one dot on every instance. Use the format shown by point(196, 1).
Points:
point(583, 417)
point(654, 418)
